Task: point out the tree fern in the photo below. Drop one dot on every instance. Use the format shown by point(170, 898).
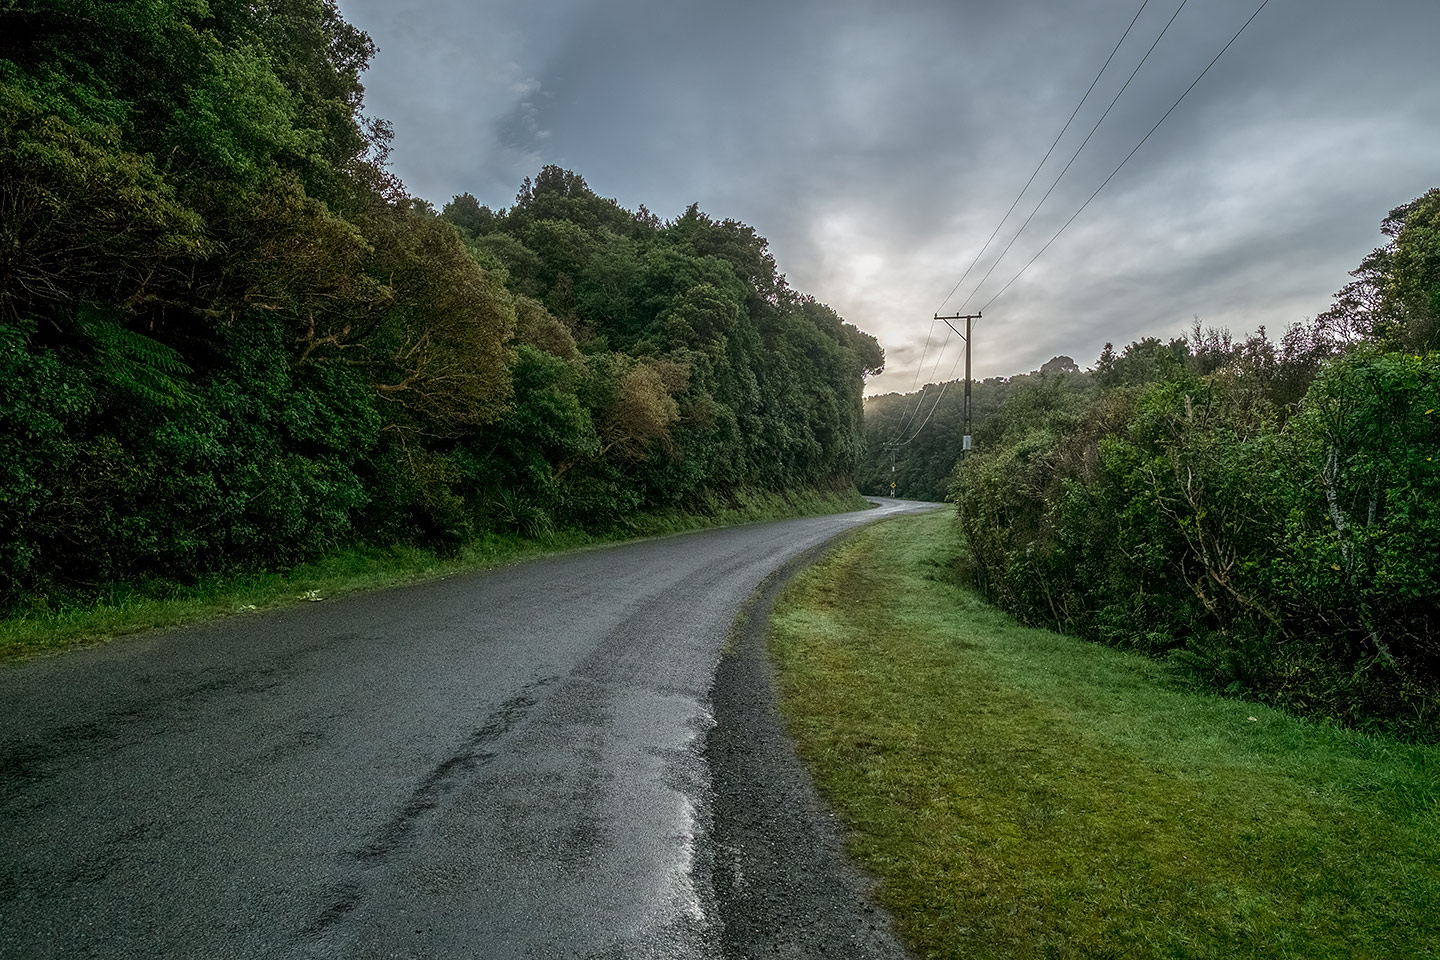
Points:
point(133, 362)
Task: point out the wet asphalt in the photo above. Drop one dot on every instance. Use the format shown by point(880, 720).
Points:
point(521, 763)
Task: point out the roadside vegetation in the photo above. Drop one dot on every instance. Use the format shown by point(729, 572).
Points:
point(232, 342)
point(1023, 794)
point(931, 421)
point(1263, 514)
point(130, 608)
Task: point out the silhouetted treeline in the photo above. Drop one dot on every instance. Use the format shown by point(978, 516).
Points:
point(230, 339)
point(1264, 514)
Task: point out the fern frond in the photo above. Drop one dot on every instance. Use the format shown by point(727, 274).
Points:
point(135, 363)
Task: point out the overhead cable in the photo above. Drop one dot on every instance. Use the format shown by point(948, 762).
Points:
point(1086, 204)
point(939, 358)
point(1132, 153)
point(910, 418)
point(920, 367)
point(1043, 160)
point(943, 387)
point(1075, 155)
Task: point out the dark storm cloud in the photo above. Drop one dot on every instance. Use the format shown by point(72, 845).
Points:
point(878, 145)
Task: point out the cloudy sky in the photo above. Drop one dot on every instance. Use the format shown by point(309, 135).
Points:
point(878, 145)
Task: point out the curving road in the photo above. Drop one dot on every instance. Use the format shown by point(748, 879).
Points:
point(506, 764)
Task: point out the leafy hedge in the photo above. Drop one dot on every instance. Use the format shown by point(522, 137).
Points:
point(1266, 515)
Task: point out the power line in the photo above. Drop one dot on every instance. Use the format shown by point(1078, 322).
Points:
point(1041, 165)
point(1132, 153)
point(921, 366)
point(919, 399)
point(1074, 156)
point(943, 387)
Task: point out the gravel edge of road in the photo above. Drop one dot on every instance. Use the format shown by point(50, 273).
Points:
point(784, 885)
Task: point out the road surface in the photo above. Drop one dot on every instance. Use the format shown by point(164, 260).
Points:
point(505, 764)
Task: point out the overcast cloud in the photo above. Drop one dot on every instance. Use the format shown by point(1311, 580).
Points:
point(878, 145)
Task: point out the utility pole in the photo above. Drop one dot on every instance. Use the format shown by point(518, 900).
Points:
point(969, 318)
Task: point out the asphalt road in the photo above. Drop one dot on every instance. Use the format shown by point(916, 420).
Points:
point(517, 763)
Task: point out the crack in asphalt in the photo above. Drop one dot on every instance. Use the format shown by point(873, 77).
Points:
point(444, 779)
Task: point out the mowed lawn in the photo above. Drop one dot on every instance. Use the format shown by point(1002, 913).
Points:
point(1023, 794)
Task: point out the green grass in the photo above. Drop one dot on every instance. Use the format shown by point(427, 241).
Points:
point(1023, 794)
point(130, 608)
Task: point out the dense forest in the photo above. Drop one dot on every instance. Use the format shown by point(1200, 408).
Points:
point(1263, 514)
point(914, 439)
point(229, 339)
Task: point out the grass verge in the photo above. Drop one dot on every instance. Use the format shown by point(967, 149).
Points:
point(1022, 794)
point(131, 608)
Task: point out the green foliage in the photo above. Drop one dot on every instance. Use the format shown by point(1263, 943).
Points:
point(144, 368)
point(1266, 515)
point(1395, 298)
point(232, 341)
point(920, 435)
point(1023, 794)
point(1144, 361)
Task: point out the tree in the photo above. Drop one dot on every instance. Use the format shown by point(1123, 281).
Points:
point(1395, 297)
point(232, 340)
point(468, 215)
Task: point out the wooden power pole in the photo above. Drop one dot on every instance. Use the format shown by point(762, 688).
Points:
point(969, 319)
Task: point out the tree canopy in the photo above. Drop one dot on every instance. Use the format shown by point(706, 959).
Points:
point(230, 339)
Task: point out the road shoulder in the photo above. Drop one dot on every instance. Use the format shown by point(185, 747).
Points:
point(785, 887)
